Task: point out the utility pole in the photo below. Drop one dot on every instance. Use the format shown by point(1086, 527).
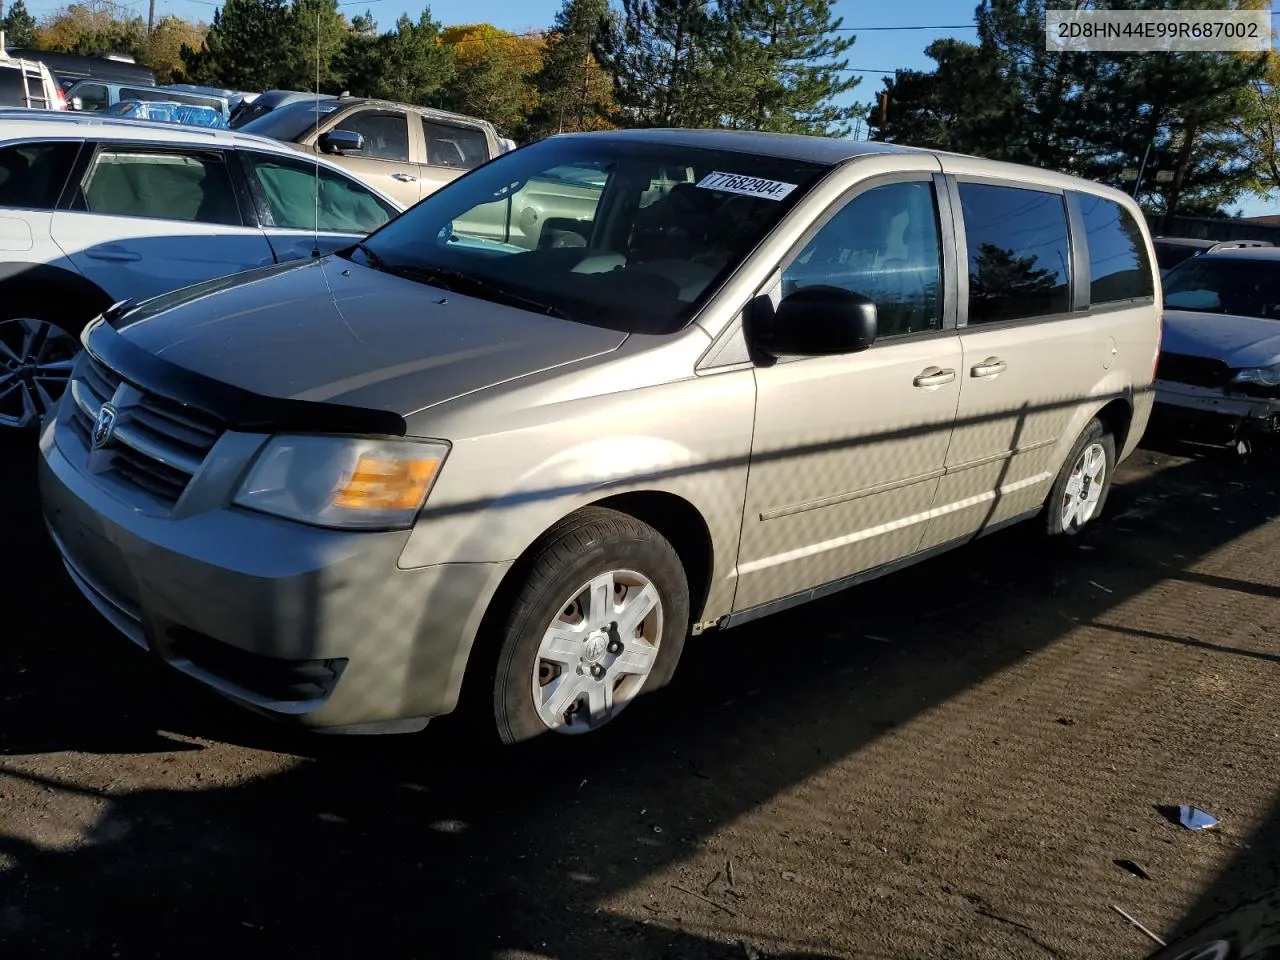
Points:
point(151, 18)
point(1142, 168)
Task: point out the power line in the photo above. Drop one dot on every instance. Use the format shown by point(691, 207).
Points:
point(939, 26)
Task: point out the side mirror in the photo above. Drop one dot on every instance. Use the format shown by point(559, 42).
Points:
point(76, 103)
point(817, 321)
point(564, 232)
point(341, 141)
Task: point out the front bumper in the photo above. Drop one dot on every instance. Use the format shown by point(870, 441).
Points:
point(318, 627)
point(1211, 415)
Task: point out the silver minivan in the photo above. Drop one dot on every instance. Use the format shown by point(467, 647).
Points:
point(755, 370)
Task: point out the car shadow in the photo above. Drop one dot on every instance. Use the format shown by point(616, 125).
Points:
point(430, 846)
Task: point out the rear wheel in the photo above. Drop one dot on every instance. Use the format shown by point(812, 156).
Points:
point(1080, 491)
point(600, 617)
point(36, 357)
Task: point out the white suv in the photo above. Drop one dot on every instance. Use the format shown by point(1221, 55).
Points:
point(95, 210)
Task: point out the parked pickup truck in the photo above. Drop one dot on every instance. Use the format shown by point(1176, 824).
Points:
point(402, 150)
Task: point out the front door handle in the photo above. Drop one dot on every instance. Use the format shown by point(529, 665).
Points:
point(988, 368)
point(113, 254)
point(934, 377)
point(404, 177)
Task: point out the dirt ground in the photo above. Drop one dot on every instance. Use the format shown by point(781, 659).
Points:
point(946, 763)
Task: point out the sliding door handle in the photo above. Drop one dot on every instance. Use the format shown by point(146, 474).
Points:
point(934, 377)
point(988, 368)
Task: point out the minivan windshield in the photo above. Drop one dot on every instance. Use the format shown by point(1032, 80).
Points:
point(598, 229)
point(1237, 286)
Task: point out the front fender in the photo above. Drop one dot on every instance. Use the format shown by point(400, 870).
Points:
point(499, 493)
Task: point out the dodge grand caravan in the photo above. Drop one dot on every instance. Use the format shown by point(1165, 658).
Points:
point(755, 370)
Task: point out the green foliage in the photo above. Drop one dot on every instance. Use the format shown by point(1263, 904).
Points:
point(19, 25)
point(574, 92)
point(250, 46)
point(81, 29)
point(758, 64)
point(409, 64)
point(668, 62)
point(1093, 114)
point(787, 67)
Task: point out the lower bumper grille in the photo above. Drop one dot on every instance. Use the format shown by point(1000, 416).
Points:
point(289, 681)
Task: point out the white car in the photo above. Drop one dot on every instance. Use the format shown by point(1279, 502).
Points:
point(96, 210)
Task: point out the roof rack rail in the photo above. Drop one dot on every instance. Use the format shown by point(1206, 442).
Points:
point(1239, 245)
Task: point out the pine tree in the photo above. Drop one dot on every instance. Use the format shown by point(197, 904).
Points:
point(574, 91)
point(668, 62)
point(246, 46)
point(410, 64)
point(786, 67)
point(19, 25)
point(318, 34)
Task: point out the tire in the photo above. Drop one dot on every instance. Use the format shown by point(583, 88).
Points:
point(579, 659)
point(36, 355)
point(1066, 519)
point(1250, 931)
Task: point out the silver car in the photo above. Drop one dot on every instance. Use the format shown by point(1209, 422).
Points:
point(1219, 375)
point(757, 369)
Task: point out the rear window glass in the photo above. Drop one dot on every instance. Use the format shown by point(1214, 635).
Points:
point(291, 122)
point(454, 146)
point(1118, 264)
point(12, 92)
point(1169, 255)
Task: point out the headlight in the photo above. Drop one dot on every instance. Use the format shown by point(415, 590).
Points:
point(343, 482)
point(1262, 376)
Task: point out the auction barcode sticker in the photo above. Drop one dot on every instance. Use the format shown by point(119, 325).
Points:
point(1154, 31)
point(748, 186)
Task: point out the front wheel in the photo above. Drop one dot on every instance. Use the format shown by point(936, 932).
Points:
point(601, 617)
point(36, 357)
point(1080, 491)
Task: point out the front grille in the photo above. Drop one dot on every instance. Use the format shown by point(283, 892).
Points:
point(1194, 371)
point(158, 443)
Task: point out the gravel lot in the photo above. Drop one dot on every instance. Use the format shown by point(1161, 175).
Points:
point(946, 763)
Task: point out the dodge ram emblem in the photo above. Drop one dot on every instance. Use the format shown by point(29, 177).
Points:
point(104, 427)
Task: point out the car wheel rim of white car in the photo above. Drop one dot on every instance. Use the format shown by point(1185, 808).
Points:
point(36, 358)
point(1084, 487)
point(596, 654)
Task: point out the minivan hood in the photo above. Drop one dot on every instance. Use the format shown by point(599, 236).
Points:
point(1237, 341)
point(329, 330)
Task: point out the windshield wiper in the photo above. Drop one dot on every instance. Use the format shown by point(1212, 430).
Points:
point(447, 278)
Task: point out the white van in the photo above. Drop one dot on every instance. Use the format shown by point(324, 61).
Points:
point(28, 83)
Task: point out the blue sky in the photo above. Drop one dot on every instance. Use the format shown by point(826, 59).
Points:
point(883, 50)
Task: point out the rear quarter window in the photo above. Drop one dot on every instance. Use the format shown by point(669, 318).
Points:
point(32, 175)
point(14, 94)
point(1119, 268)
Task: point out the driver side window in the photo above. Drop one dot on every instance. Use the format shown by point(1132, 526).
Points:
point(884, 245)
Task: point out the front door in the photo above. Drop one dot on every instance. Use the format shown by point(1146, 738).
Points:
point(388, 161)
point(848, 450)
point(146, 220)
